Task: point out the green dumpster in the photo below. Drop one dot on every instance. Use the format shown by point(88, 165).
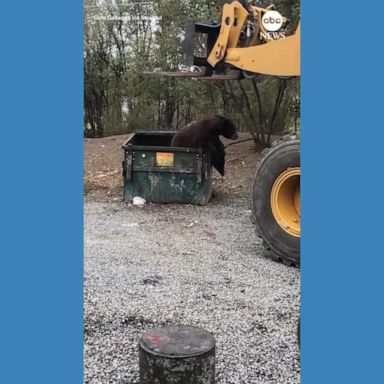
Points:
point(159, 173)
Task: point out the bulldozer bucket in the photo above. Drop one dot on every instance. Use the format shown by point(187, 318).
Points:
point(230, 76)
point(178, 74)
point(199, 75)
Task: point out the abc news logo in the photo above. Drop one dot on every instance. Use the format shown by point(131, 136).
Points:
point(272, 22)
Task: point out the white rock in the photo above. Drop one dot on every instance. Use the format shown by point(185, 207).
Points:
point(137, 200)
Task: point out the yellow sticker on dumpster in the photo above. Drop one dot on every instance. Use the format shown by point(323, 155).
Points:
point(164, 159)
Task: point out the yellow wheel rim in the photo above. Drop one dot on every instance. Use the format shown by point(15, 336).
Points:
point(285, 201)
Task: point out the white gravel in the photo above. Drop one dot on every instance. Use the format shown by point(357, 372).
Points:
point(181, 264)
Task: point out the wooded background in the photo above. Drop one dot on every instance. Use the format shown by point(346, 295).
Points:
point(124, 38)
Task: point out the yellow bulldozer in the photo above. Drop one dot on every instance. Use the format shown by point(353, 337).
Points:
point(251, 40)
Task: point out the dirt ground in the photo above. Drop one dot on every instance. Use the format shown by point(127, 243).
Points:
point(103, 179)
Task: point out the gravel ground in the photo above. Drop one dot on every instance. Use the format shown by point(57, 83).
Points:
point(182, 264)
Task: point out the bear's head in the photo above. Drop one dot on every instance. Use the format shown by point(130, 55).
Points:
point(227, 128)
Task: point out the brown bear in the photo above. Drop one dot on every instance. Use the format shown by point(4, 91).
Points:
point(216, 147)
point(205, 133)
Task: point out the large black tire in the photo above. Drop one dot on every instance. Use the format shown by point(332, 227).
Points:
point(280, 245)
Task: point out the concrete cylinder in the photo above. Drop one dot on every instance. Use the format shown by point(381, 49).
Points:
point(177, 355)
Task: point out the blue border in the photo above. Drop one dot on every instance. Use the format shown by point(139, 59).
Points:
point(41, 270)
point(41, 157)
point(342, 194)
